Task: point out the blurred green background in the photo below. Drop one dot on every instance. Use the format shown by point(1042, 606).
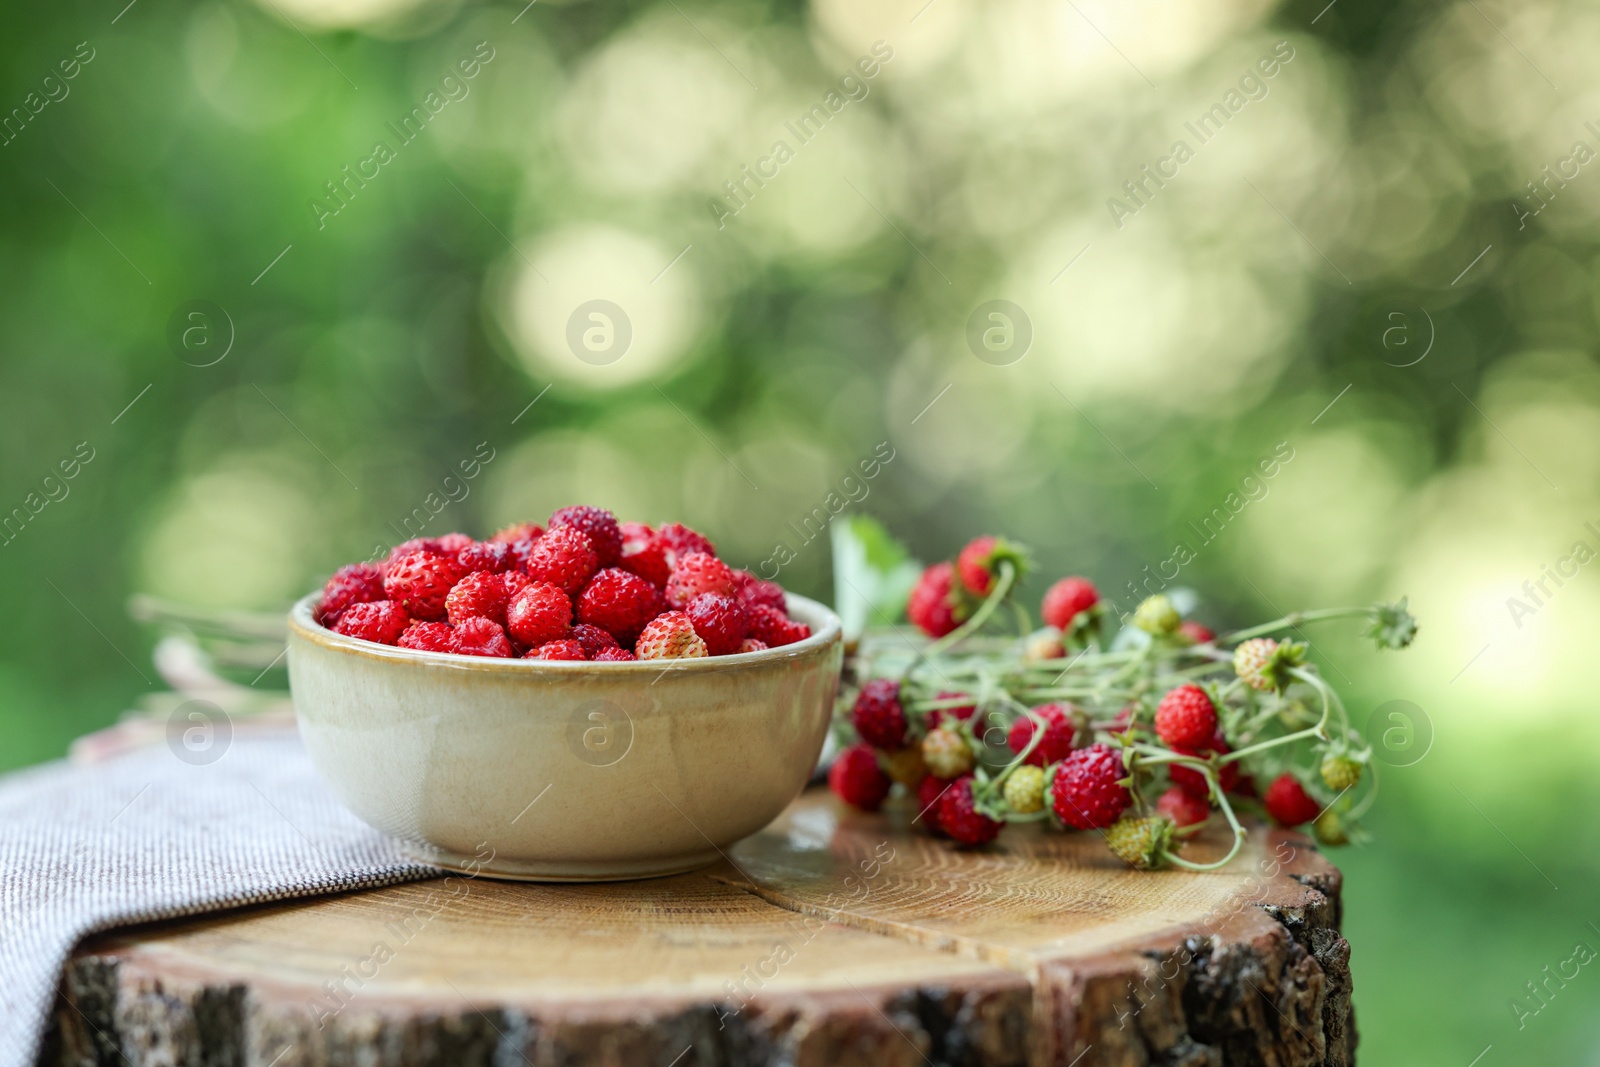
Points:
point(1383, 256)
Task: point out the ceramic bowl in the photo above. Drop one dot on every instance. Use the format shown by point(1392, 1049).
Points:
point(564, 771)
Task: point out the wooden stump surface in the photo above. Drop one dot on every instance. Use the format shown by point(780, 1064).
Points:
point(831, 939)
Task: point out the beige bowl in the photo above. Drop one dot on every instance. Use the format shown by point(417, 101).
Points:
point(555, 771)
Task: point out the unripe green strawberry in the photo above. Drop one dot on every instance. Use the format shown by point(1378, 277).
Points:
point(1141, 842)
point(1024, 791)
point(1330, 829)
point(1264, 664)
point(946, 753)
point(905, 766)
point(1157, 616)
point(1340, 772)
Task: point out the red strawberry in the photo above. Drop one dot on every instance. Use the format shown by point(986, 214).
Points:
point(959, 713)
point(453, 544)
point(670, 635)
point(1064, 600)
point(696, 573)
point(720, 621)
point(593, 639)
point(635, 535)
point(519, 531)
point(879, 719)
point(567, 648)
point(962, 821)
point(419, 581)
point(416, 544)
point(751, 644)
point(487, 556)
point(618, 601)
point(1186, 718)
point(1288, 802)
point(930, 791)
point(773, 628)
point(1196, 632)
point(522, 551)
point(1193, 782)
point(856, 778)
point(930, 607)
point(752, 590)
point(1181, 808)
point(646, 558)
point(598, 524)
point(677, 540)
point(515, 582)
point(382, 621)
point(1085, 791)
point(540, 613)
point(613, 655)
point(978, 565)
point(563, 557)
point(482, 637)
point(480, 595)
point(430, 637)
point(358, 583)
point(1059, 733)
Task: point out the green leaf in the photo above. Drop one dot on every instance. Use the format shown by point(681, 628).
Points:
point(872, 574)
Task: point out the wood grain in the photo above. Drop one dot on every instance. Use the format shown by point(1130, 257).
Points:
point(831, 938)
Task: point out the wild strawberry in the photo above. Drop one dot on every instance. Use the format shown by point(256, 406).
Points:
point(619, 602)
point(420, 580)
point(1264, 664)
point(698, 573)
point(906, 766)
point(539, 613)
point(1340, 773)
point(879, 719)
point(519, 531)
point(598, 524)
point(955, 713)
point(1141, 843)
point(1196, 633)
point(930, 791)
point(382, 621)
point(430, 637)
point(1330, 829)
point(1192, 781)
point(644, 554)
point(1186, 717)
point(751, 644)
point(1086, 792)
point(1061, 729)
point(669, 635)
point(980, 563)
point(947, 753)
point(1024, 790)
point(564, 558)
point(567, 648)
point(515, 582)
point(959, 818)
point(479, 595)
point(930, 606)
point(593, 639)
point(1182, 808)
point(1157, 616)
point(416, 544)
point(677, 540)
point(752, 590)
point(1066, 599)
point(494, 556)
point(482, 637)
point(613, 655)
point(720, 620)
point(773, 628)
point(452, 544)
point(856, 778)
point(358, 583)
point(522, 551)
point(1288, 802)
point(1043, 644)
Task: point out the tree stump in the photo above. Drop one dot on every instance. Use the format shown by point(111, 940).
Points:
point(831, 939)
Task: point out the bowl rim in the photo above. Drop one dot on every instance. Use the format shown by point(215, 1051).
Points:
point(826, 629)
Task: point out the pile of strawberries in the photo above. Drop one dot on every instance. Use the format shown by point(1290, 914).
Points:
point(1139, 737)
point(581, 587)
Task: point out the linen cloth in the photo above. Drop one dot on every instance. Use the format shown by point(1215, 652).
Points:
point(153, 834)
